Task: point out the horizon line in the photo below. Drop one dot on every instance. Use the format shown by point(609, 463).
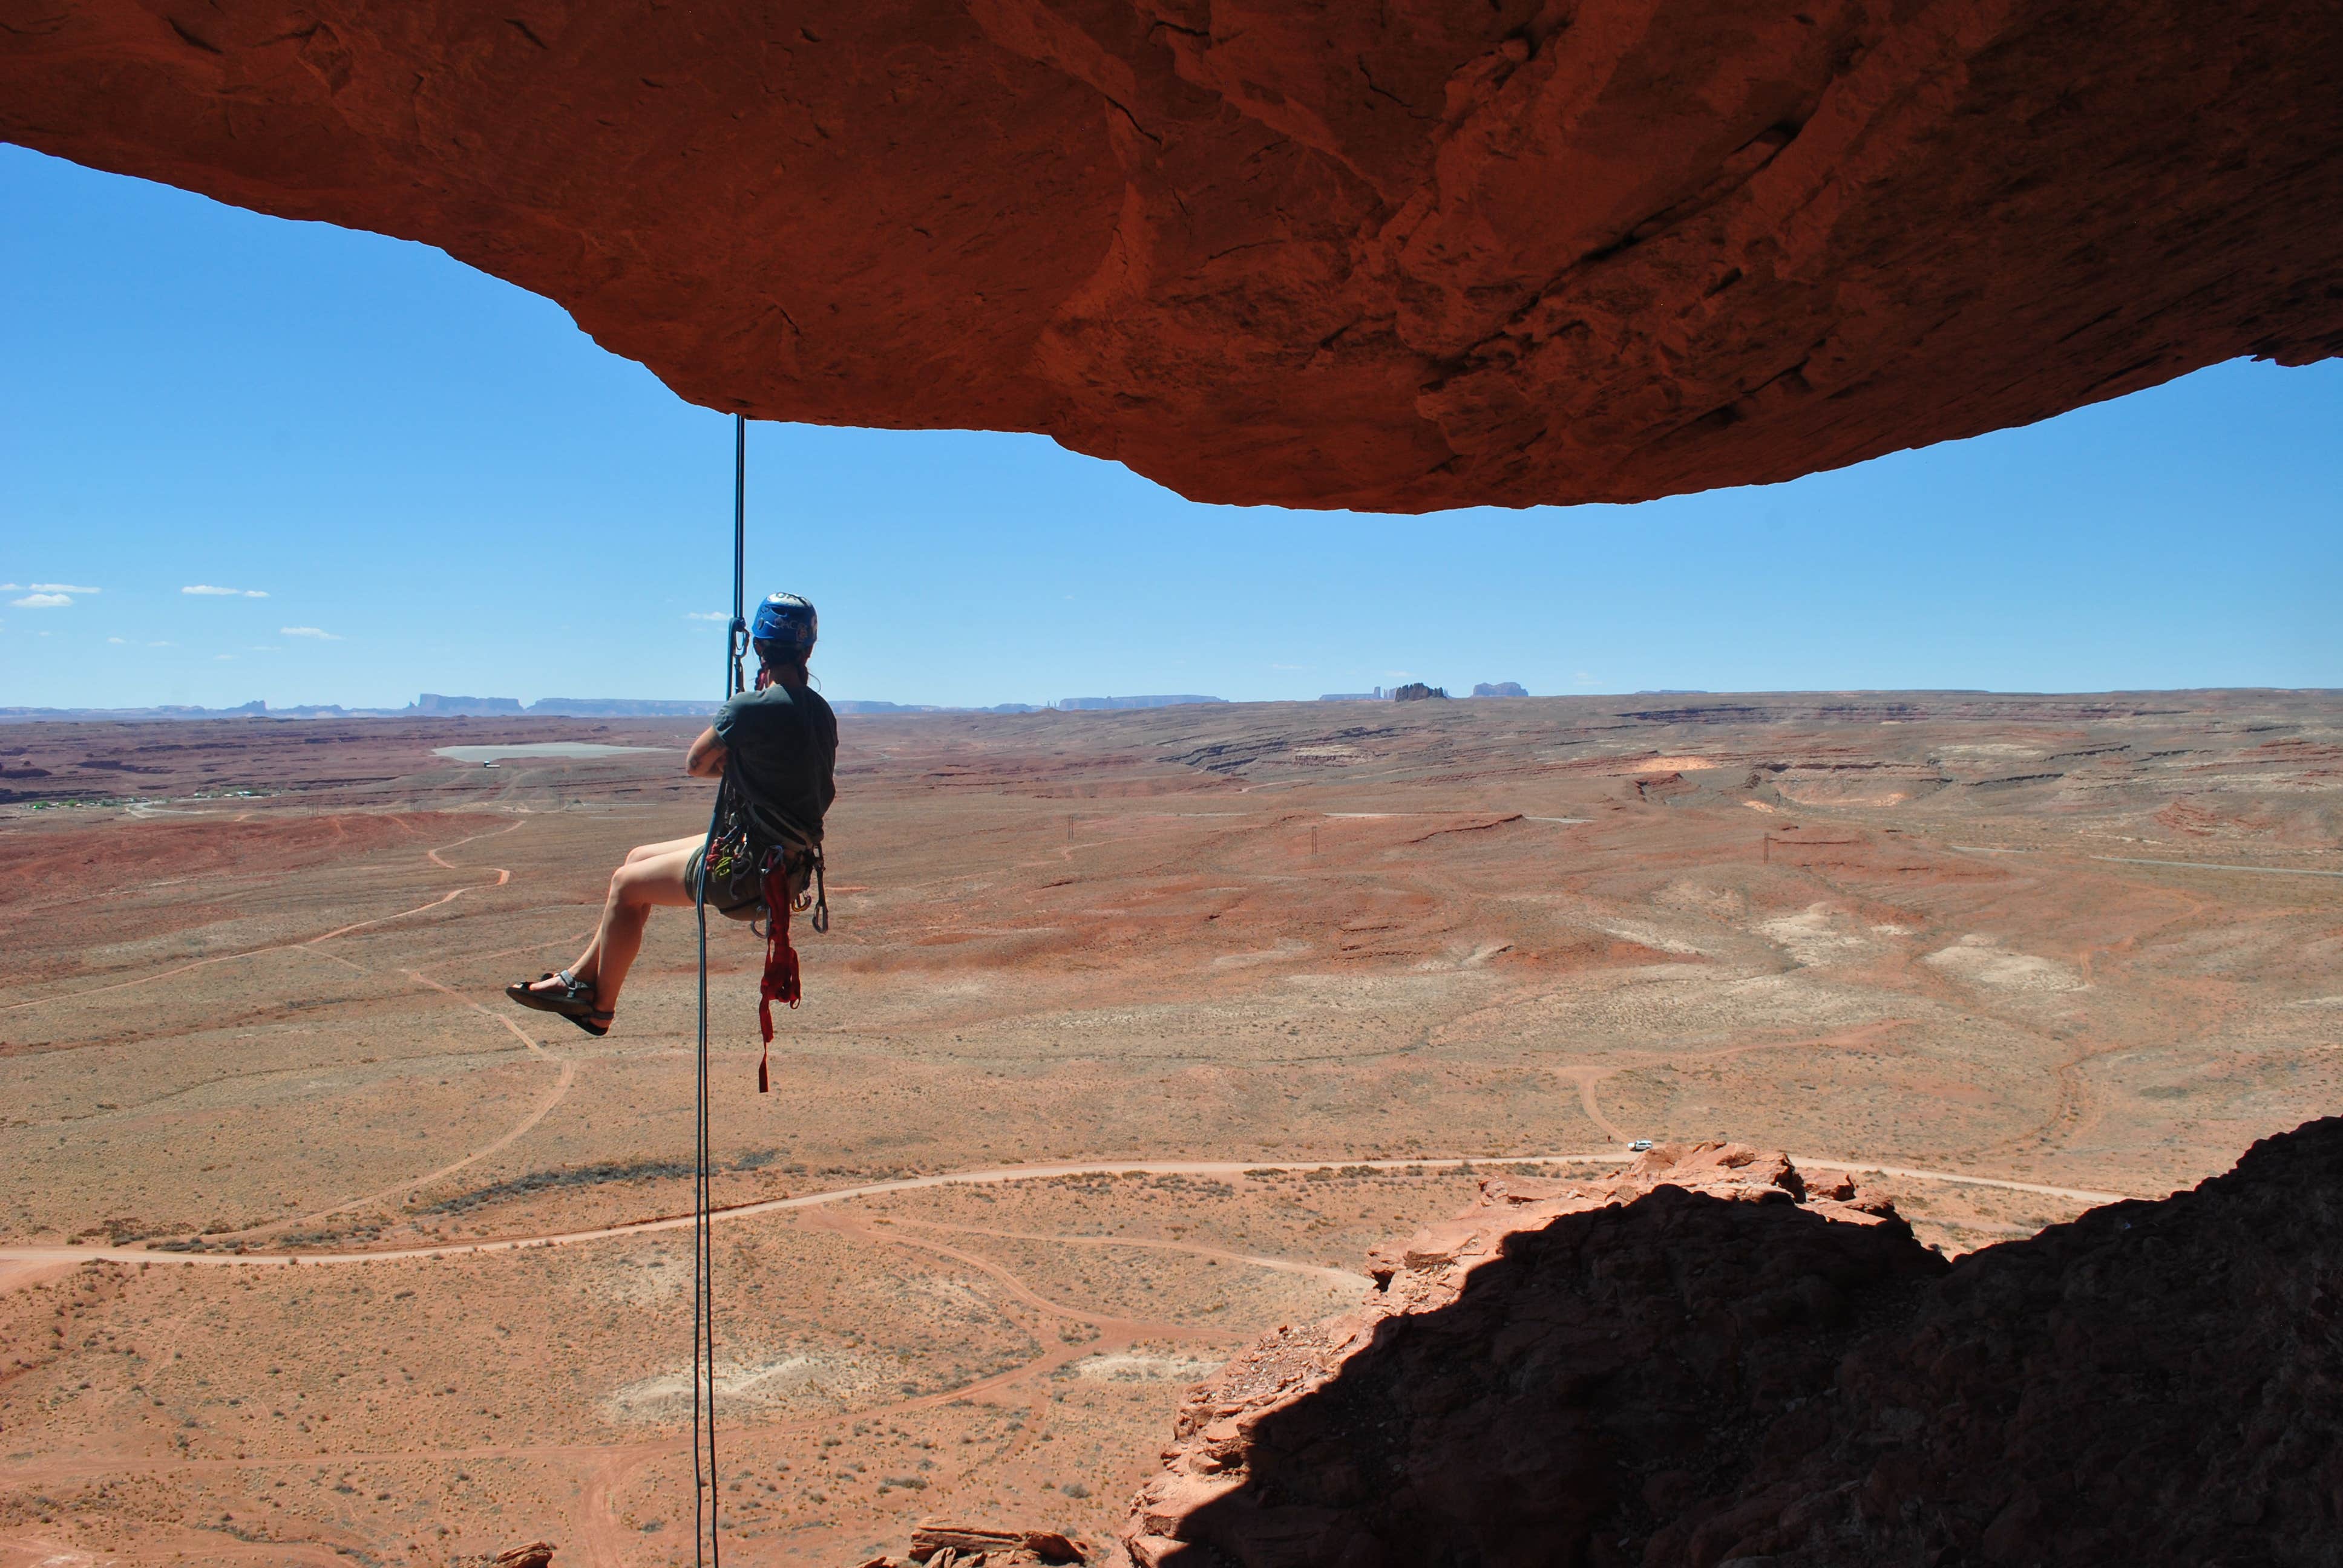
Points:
point(679, 708)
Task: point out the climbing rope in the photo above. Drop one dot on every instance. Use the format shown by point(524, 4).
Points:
point(706, 1549)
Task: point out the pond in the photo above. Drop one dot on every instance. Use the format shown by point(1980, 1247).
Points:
point(531, 748)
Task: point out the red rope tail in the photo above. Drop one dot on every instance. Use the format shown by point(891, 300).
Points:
point(780, 981)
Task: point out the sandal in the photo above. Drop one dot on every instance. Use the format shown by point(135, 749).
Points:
point(572, 1001)
point(595, 1023)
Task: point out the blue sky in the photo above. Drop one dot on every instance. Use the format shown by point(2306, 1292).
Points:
point(439, 484)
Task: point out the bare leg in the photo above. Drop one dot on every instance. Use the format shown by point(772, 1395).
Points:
point(588, 961)
point(645, 882)
point(645, 851)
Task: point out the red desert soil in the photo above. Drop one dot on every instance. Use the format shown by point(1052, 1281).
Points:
point(1136, 1034)
point(1396, 257)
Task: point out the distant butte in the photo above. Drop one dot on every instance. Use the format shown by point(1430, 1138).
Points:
point(1421, 255)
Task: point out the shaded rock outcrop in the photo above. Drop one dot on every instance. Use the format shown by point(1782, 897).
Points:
point(1424, 254)
point(942, 1546)
point(534, 1555)
point(1559, 1367)
point(1712, 1359)
point(2155, 1382)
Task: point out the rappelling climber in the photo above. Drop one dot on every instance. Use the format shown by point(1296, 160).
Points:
point(775, 747)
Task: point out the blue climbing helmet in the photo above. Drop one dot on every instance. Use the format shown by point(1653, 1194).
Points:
point(787, 621)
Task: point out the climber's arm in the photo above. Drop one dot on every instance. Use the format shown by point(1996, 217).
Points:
point(706, 758)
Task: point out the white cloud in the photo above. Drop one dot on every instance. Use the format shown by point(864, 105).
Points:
point(705, 615)
point(118, 641)
point(11, 587)
point(224, 658)
point(210, 590)
point(308, 631)
point(266, 647)
point(162, 644)
point(43, 601)
point(63, 588)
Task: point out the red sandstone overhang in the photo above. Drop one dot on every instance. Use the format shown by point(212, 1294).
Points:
point(1404, 255)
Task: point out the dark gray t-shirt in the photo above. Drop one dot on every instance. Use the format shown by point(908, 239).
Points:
point(780, 761)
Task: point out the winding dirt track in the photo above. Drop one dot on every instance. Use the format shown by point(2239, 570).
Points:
point(1857, 1167)
point(606, 1472)
point(22, 1265)
point(1332, 1276)
point(37, 1257)
point(544, 1107)
point(504, 876)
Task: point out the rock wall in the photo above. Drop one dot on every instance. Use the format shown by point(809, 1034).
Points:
point(1713, 1360)
point(1406, 256)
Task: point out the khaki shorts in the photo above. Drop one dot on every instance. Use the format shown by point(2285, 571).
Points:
point(740, 896)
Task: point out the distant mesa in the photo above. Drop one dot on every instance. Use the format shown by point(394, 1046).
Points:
point(440, 705)
point(176, 710)
point(1093, 703)
point(431, 702)
point(859, 705)
point(866, 705)
point(1416, 692)
point(617, 708)
point(433, 705)
point(1500, 689)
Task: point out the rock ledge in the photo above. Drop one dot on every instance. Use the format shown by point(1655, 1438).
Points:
point(1713, 1359)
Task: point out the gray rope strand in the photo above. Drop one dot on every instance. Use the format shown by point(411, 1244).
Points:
point(707, 1546)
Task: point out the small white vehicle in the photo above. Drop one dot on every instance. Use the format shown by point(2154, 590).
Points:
point(1638, 1146)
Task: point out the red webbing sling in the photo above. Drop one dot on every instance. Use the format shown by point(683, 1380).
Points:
point(780, 981)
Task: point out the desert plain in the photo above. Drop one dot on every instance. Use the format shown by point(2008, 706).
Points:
point(1133, 1031)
